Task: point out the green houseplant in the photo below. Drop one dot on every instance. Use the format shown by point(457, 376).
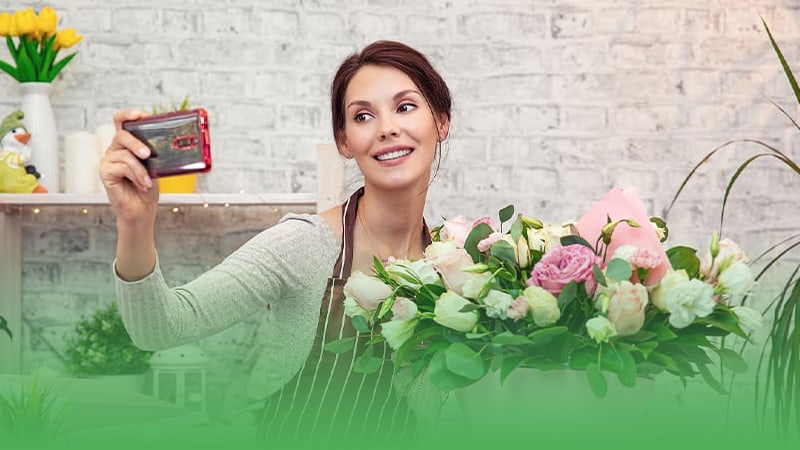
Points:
point(100, 345)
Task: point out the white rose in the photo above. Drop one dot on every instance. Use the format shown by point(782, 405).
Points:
point(600, 329)
point(688, 300)
point(401, 269)
point(448, 259)
point(497, 304)
point(667, 283)
point(749, 319)
point(367, 291)
point(736, 280)
point(397, 332)
point(545, 238)
point(474, 285)
point(403, 309)
point(447, 312)
point(543, 306)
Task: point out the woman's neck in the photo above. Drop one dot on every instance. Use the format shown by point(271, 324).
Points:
point(390, 224)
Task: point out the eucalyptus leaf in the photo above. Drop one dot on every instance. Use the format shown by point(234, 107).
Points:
point(619, 270)
point(465, 362)
point(360, 324)
point(479, 233)
point(732, 360)
point(598, 275)
point(506, 213)
point(685, 258)
point(443, 378)
point(341, 345)
point(597, 381)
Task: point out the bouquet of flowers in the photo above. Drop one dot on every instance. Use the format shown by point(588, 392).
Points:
point(37, 44)
point(598, 295)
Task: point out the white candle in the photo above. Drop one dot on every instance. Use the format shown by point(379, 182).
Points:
point(80, 163)
point(105, 134)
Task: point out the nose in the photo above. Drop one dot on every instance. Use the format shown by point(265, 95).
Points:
point(389, 126)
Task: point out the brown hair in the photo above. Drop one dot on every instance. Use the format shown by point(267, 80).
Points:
point(401, 57)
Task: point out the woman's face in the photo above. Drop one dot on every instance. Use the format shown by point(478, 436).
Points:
point(389, 128)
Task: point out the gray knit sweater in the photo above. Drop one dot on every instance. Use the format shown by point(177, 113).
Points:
point(281, 274)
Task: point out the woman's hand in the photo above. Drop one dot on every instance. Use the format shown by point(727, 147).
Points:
point(133, 195)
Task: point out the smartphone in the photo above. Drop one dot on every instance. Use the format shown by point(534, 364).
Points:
point(179, 142)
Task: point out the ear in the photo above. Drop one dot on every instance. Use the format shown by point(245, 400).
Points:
point(341, 146)
point(443, 127)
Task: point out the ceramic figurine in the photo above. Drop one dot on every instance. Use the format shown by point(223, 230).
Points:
point(16, 173)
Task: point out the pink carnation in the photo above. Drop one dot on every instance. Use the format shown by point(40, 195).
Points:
point(562, 265)
point(487, 220)
point(519, 308)
point(486, 243)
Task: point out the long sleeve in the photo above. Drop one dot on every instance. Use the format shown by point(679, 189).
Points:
point(282, 271)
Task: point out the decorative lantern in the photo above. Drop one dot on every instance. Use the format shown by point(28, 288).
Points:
point(179, 376)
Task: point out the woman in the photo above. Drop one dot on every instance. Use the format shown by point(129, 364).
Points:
point(390, 112)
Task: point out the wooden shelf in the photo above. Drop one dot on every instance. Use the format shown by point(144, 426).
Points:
point(165, 199)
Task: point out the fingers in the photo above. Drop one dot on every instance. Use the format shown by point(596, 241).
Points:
point(119, 165)
point(127, 142)
point(127, 114)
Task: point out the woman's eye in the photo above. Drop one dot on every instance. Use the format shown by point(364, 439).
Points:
point(406, 107)
point(362, 117)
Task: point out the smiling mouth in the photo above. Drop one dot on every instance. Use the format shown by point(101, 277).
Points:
point(394, 154)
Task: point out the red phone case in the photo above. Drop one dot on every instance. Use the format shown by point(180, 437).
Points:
point(179, 142)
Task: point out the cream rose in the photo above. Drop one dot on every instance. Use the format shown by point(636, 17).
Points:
point(403, 309)
point(543, 306)
point(626, 307)
point(401, 269)
point(397, 332)
point(447, 312)
point(367, 291)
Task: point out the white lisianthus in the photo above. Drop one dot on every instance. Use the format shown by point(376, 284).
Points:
point(497, 304)
point(600, 329)
point(729, 252)
point(474, 285)
point(449, 260)
point(401, 270)
point(367, 291)
point(667, 283)
point(403, 309)
point(447, 312)
point(397, 332)
point(523, 253)
point(749, 319)
point(736, 280)
point(543, 306)
point(689, 300)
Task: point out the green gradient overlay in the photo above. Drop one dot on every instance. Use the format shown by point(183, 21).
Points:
point(650, 416)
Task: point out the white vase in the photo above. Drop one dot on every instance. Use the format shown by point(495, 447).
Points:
point(41, 123)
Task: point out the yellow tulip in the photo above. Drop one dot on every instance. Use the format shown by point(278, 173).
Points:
point(5, 23)
point(26, 22)
point(46, 22)
point(66, 38)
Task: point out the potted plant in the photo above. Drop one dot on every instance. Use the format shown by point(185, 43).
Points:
point(101, 347)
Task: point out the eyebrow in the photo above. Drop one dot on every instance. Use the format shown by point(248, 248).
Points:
point(397, 96)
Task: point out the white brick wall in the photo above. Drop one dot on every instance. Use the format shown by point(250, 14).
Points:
point(554, 103)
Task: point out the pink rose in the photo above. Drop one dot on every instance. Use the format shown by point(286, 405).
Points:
point(403, 309)
point(456, 229)
point(448, 259)
point(564, 264)
point(626, 307)
point(487, 220)
point(624, 205)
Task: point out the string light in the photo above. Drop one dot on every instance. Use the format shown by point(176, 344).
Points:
point(175, 209)
point(36, 210)
point(85, 210)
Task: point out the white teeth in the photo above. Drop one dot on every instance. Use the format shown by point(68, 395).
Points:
point(393, 155)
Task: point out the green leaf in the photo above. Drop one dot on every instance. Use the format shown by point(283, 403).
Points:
point(341, 345)
point(360, 324)
point(685, 258)
point(663, 333)
point(716, 385)
point(732, 360)
point(12, 49)
point(641, 336)
point(7, 68)
point(510, 339)
point(503, 251)
point(572, 239)
point(509, 364)
point(598, 275)
point(367, 364)
point(784, 64)
point(444, 379)
point(567, 294)
point(619, 270)
point(506, 213)
point(60, 65)
point(546, 335)
point(517, 228)
point(597, 381)
point(463, 361)
point(479, 233)
point(386, 306)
